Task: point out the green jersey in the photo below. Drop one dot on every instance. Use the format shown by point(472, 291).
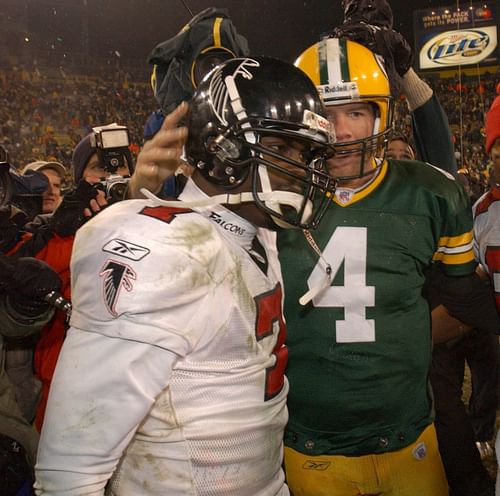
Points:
point(361, 349)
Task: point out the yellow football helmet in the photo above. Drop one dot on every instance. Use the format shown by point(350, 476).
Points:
point(346, 72)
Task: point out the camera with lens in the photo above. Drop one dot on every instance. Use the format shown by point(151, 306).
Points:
point(21, 191)
point(111, 143)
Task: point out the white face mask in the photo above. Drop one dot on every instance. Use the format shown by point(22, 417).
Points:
point(282, 198)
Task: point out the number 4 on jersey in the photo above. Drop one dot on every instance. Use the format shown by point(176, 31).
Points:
point(347, 247)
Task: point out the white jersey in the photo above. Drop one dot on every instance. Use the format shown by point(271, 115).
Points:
point(196, 359)
point(487, 235)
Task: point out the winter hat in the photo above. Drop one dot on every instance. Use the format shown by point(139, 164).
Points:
point(82, 153)
point(493, 122)
point(41, 165)
point(180, 63)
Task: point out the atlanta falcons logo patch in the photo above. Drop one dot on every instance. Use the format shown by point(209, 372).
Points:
point(115, 276)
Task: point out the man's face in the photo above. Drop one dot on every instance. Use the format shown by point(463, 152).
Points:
point(279, 179)
point(94, 172)
point(290, 149)
point(495, 159)
point(52, 196)
point(399, 150)
point(352, 122)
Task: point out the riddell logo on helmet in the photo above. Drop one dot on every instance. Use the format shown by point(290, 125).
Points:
point(345, 89)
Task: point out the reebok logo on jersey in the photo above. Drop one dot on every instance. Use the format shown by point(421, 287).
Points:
point(126, 249)
point(115, 276)
point(228, 226)
point(312, 465)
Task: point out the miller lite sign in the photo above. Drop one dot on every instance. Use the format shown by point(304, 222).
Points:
point(458, 47)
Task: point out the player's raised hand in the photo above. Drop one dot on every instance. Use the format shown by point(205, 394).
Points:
point(160, 156)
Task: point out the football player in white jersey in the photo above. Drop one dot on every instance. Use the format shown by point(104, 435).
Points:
point(171, 378)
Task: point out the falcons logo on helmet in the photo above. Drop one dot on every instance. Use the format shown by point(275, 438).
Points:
point(115, 276)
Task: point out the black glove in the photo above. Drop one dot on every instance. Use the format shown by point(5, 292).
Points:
point(369, 23)
point(7, 268)
point(12, 222)
point(376, 12)
point(400, 50)
point(26, 281)
point(69, 215)
point(391, 45)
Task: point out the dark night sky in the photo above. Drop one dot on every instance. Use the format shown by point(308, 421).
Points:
point(280, 28)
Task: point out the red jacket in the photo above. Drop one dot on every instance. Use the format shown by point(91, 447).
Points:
point(55, 251)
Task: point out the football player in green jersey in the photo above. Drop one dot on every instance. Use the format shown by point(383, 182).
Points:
point(360, 343)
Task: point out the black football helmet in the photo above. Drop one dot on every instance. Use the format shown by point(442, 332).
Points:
point(234, 107)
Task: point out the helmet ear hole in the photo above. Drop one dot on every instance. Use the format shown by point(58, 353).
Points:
point(223, 147)
point(376, 109)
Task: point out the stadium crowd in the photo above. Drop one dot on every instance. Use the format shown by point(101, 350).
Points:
point(465, 102)
point(44, 118)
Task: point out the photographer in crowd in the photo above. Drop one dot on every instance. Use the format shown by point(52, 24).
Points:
point(55, 172)
point(24, 285)
point(19, 355)
point(99, 162)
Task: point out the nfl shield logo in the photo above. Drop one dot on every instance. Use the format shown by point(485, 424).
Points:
point(344, 195)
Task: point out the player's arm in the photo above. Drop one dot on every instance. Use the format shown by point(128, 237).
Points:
point(452, 280)
point(445, 327)
point(160, 157)
point(431, 130)
point(466, 303)
point(102, 389)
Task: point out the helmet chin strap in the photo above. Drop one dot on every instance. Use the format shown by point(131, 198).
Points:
point(271, 199)
point(274, 203)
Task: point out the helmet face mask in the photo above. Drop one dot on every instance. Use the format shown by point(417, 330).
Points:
point(346, 72)
point(235, 110)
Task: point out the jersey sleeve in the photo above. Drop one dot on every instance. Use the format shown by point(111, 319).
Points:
point(86, 430)
point(487, 236)
point(455, 252)
point(432, 137)
point(140, 278)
